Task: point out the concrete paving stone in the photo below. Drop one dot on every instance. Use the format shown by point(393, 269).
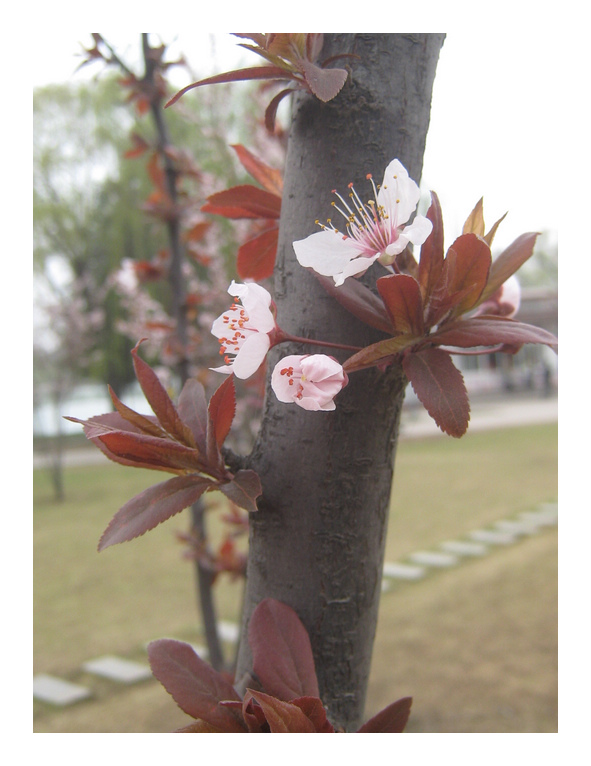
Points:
point(229, 631)
point(464, 548)
point(118, 669)
point(547, 517)
point(56, 691)
point(493, 537)
point(523, 527)
point(403, 571)
point(433, 559)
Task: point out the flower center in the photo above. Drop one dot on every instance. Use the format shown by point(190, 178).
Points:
point(369, 224)
point(292, 381)
point(235, 320)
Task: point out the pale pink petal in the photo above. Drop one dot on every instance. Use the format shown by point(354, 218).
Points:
point(308, 403)
point(511, 295)
point(280, 382)
point(398, 193)
point(251, 355)
point(327, 252)
point(226, 369)
point(416, 232)
point(256, 302)
point(354, 268)
point(319, 367)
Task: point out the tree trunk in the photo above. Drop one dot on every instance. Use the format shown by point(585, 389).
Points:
point(317, 541)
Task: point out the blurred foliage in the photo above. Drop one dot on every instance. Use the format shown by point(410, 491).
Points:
point(87, 197)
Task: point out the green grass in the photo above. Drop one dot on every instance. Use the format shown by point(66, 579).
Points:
point(87, 604)
point(444, 487)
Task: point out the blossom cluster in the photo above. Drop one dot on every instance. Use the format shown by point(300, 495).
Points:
point(430, 308)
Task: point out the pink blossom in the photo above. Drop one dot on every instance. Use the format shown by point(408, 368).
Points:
point(505, 301)
point(311, 381)
point(244, 330)
point(376, 230)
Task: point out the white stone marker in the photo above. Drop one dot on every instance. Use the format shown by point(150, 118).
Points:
point(118, 669)
point(464, 548)
point(493, 537)
point(433, 559)
point(403, 571)
point(56, 691)
point(229, 631)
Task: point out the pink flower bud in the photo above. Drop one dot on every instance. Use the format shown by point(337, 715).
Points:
point(310, 381)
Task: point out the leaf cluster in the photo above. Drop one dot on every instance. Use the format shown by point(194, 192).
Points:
point(430, 310)
point(291, 58)
point(184, 440)
point(256, 257)
point(283, 695)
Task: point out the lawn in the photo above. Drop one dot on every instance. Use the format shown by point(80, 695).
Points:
point(475, 645)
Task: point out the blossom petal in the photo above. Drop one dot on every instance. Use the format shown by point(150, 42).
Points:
point(319, 367)
point(355, 268)
point(327, 252)
point(280, 381)
point(251, 355)
point(416, 232)
point(311, 404)
point(256, 302)
point(398, 194)
point(225, 369)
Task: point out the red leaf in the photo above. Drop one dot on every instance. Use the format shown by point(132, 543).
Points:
point(253, 715)
point(271, 110)
point(283, 717)
point(139, 146)
point(151, 451)
point(256, 258)
point(102, 424)
point(153, 506)
point(243, 490)
point(466, 270)
point(197, 232)
point(244, 201)
point(490, 331)
point(250, 73)
point(140, 421)
point(431, 260)
point(380, 352)
point(268, 177)
point(160, 401)
point(325, 84)
point(194, 685)
point(508, 262)
point(313, 709)
point(359, 300)
point(439, 386)
point(192, 409)
point(390, 720)
point(281, 651)
point(475, 221)
point(402, 297)
point(221, 410)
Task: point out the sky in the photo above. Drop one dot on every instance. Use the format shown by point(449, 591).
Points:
point(490, 126)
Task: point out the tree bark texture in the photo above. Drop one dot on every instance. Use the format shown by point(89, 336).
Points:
point(317, 541)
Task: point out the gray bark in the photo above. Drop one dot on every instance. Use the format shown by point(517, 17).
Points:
point(317, 541)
